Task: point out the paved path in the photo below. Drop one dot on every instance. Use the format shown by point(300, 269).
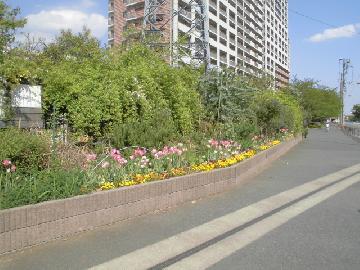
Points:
point(302, 213)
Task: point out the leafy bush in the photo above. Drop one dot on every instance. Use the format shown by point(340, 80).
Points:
point(24, 149)
point(276, 110)
point(315, 125)
point(121, 87)
point(157, 131)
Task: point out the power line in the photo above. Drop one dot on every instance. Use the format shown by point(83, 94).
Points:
point(312, 18)
point(320, 21)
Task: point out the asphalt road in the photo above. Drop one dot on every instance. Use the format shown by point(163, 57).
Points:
point(315, 224)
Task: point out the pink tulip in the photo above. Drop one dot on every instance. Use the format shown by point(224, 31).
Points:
point(13, 168)
point(6, 162)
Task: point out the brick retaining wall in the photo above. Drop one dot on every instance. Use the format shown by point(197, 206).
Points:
point(35, 224)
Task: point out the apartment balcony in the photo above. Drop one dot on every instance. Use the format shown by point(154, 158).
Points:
point(223, 60)
point(241, 17)
point(185, 13)
point(111, 6)
point(213, 4)
point(223, 35)
point(283, 73)
point(111, 34)
point(240, 25)
point(223, 15)
point(241, 57)
point(134, 16)
point(213, 28)
point(134, 2)
point(213, 54)
point(110, 21)
point(253, 6)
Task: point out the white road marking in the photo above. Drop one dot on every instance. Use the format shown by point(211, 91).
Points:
point(159, 252)
point(224, 248)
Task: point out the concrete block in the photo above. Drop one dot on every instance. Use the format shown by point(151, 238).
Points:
point(2, 223)
point(180, 183)
point(31, 216)
point(5, 242)
point(100, 200)
point(5, 216)
point(116, 197)
point(71, 207)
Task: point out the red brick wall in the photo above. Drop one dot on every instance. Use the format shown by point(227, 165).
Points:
point(120, 22)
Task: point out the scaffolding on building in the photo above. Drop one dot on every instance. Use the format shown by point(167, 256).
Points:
point(190, 45)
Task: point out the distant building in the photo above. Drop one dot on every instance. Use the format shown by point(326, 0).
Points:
point(26, 104)
point(248, 35)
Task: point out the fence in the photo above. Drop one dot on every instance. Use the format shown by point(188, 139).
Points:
point(352, 131)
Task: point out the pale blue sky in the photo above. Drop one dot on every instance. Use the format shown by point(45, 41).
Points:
point(315, 57)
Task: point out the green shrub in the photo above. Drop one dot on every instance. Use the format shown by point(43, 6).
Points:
point(121, 87)
point(154, 132)
point(315, 125)
point(26, 150)
point(276, 110)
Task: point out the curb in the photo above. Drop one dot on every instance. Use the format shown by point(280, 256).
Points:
point(31, 225)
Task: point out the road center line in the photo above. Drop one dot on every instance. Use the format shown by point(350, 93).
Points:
point(167, 251)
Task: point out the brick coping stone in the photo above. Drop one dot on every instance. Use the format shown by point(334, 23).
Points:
point(31, 225)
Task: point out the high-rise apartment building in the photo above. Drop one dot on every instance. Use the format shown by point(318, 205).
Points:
point(248, 35)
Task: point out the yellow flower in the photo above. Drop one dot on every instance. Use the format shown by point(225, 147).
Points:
point(264, 147)
point(177, 171)
point(203, 167)
point(107, 185)
point(127, 183)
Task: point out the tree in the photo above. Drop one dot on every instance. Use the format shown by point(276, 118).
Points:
point(69, 46)
point(9, 23)
point(356, 112)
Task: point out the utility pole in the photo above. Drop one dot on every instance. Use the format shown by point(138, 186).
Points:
point(345, 63)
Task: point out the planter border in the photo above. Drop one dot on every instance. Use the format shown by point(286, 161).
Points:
point(32, 225)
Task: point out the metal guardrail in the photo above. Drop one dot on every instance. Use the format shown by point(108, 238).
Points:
point(352, 131)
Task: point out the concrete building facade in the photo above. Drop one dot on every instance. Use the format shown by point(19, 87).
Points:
point(250, 36)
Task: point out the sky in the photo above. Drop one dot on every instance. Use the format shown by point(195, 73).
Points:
point(315, 47)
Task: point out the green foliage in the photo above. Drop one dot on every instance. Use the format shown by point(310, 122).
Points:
point(26, 150)
point(225, 95)
point(275, 110)
point(319, 102)
point(9, 67)
point(121, 86)
point(17, 189)
point(154, 132)
point(68, 46)
point(9, 23)
point(315, 125)
point(356, 112)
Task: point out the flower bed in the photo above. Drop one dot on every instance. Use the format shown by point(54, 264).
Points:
point(31, 225)
point(115, 168)
point(232, 156)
